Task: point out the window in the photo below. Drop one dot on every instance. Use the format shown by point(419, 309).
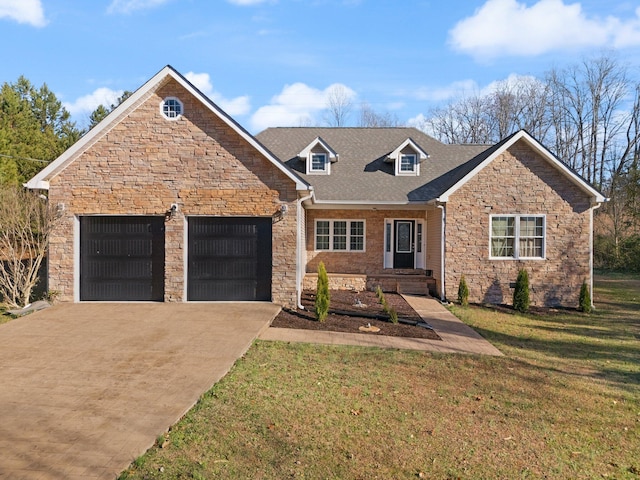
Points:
point(318, 162)
point(517, 236)
point(171, 108)
point(407, 163)
point(340, 235)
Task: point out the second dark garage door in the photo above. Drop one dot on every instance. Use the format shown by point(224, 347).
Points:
point(229, 259)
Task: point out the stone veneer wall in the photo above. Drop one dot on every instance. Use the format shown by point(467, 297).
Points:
point(518, 182)
point(146, 162)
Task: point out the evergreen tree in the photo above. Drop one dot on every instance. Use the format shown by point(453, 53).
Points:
point(323, 297)
point(35, 128)
point(585, 298)
point(521, 292)
point(463, 292)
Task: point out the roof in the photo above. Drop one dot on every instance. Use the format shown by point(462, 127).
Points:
point(363, 177)
point(41, 180)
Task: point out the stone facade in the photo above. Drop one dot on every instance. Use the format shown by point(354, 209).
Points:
point(519, 181)
point(146, 162)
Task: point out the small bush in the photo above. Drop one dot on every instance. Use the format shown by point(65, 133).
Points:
point(521, 292)
point(585, 298)
point(393, 315)
point(463, 292)
point(323, 297)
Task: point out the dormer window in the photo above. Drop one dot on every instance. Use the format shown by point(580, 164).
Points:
point(407, 158)
point(319, 162)
point(407, 163)
point(318, 157)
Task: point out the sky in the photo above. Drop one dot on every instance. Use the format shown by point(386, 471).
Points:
point(272, 62)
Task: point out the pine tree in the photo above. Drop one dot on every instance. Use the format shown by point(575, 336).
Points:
point(323, 297)
point(585, 298)
point(463, 292)
point(521, 292)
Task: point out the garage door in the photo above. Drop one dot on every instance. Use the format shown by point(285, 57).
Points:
point(229, 259)
point(122, 258)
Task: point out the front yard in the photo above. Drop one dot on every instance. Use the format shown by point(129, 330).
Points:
point(564, 402)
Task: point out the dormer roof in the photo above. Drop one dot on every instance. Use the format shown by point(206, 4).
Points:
point(395, 155)
point(304, 154)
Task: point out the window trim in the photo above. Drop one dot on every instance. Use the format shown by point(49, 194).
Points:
point(349, 222)
point(414, 164)
point(325, 163)
point(517, 236)
point(164, 113)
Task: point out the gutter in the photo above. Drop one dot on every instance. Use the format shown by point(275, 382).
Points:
point(300, 263)
point(442, 206)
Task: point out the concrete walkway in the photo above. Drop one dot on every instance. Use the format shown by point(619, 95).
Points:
point(456, 336)
point(87, 388)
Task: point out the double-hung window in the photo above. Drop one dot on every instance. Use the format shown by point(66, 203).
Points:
point(340, 235)
point(319, 162)
point(517, 236)
point(407, 163)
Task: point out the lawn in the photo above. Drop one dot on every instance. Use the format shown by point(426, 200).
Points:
point(564, 402)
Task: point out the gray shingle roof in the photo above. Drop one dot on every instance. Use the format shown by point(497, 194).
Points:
point(362, 175)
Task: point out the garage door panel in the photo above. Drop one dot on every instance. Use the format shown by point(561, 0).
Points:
point(229, 259)
point(122, 258)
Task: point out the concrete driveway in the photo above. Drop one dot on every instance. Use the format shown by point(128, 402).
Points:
point(87, 388)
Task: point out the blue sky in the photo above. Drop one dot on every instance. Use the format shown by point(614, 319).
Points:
point(271, 62)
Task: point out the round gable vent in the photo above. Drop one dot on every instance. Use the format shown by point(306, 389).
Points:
point(171, 108)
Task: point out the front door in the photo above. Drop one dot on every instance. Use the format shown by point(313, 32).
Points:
point(404, 245)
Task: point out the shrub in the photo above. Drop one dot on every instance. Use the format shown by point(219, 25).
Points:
point(393, 315)
point(463, 292)
point(585, 298)
point(521, 292)
point(323, 298)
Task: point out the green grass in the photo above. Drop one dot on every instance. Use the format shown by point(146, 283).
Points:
point(564, 402)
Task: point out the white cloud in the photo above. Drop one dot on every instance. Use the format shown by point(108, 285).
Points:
point(23, 11)
point(440, 94)
point(128, 6)
point(235, 106)
point(83, 106)
point(508, 27)
point(297, 104)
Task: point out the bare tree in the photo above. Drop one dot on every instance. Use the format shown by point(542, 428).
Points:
point(26, 221)
point(339, 105)
point(587, 99)
point(370, 118)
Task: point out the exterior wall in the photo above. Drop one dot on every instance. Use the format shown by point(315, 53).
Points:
point(369, 262)
point(518, 182)
point(146, 162)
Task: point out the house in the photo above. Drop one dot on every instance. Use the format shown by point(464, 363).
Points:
point(170, 199)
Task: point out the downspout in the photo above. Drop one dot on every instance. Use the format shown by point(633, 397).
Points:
point(300, 263)
point(442, 206)
point(593, 207)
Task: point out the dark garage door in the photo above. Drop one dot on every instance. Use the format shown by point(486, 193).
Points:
point(229, 259)
point(122, 258)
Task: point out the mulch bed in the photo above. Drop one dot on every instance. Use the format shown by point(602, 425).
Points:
point(351, 317)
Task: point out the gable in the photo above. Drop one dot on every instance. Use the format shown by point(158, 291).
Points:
point(149, 97)
point(146, 153)
point(520, 180)
point(522, 140)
